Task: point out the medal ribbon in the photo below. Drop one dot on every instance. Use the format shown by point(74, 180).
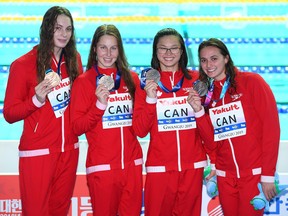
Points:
point(58, 66)
point(143, 77)
point(211, 89)
point(174, 89)
point(116, 82)
point(164, 88)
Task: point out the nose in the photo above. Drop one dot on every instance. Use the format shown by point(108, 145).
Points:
point(208, 63)
point(168, 51)
point(64, 32)
point(108, 52)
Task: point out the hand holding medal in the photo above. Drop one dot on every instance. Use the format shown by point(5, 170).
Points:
point(153, 74)
point(149, 81)
point(52, 77)
point(107, 81)
point(201, 88)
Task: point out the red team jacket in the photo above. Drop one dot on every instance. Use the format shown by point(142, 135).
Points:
point(42, 130)
point(175, 150)
point(110, 148)
point(257, 151)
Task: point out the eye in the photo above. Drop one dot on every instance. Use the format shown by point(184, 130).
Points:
point(57, 28)
point(69, 29)
point(203, 60)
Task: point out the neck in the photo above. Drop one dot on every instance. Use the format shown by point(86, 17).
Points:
point(57, 53)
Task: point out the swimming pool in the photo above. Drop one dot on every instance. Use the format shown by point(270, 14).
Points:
point(255, 33)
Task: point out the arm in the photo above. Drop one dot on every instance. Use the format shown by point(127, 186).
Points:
point(203, 122)
point(144, 109)
point(266, 109)
point(86, 110)
point(18, 102)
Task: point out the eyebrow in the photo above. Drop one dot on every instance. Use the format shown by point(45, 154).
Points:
point(57, 24)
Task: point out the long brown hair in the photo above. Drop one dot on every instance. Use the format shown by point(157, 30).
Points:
point(121, 62)
point(46, 44)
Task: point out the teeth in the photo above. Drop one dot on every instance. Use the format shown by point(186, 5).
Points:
point(212, 70)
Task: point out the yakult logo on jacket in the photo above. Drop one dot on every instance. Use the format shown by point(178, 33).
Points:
point(173, 102)
point(115, 98)
point(225, 109)
point(62, 85)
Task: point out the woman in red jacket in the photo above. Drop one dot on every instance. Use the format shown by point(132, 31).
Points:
point(176, 157)
point(102, 108)
point(245, 131)
point(38, 92)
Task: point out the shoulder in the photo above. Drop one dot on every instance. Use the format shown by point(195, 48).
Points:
point(28, 58)
point(251, 80)
point(25, 63)
point(86, 78)
point(249, 76)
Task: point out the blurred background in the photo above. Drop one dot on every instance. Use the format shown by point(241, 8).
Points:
point(255, 31)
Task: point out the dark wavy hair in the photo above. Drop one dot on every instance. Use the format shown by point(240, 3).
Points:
point(46, 44)
point(121, 62)
point(229, 67)
point(183, 61)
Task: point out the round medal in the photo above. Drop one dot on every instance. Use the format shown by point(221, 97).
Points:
point(201, 88)
point(107, 81)
point(53, 77)
point(153, 74)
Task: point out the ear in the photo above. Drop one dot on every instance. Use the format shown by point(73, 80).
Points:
point(227, 58)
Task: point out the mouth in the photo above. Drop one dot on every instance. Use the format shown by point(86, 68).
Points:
point(62, 40)
point(168, 58)
point(108, 59)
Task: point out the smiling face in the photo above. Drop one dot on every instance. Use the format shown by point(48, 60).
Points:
point(169, 52)
point(107, 51)
point(213, 62)
point(62, 32)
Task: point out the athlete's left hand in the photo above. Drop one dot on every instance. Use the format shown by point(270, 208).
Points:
point(269, 190)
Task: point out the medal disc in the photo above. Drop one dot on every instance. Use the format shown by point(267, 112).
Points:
point(153, 74)
point(53, 77)
point(201, 88)
point(107, 81)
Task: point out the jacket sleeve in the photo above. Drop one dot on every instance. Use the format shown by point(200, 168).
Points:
point(206, 130)
point(266, 108)
point(18, 103)
point(144, 113)
point(84, 113)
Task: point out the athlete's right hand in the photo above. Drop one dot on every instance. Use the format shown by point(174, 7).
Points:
point(151, 88)
point(194, 100)
point(102, 93)
point(42, 89)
